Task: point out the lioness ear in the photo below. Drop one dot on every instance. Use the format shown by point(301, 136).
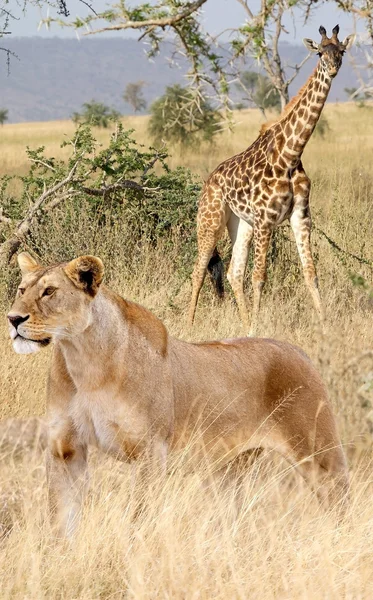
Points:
point(311, 45)
point(86, 272)
point(27, 264)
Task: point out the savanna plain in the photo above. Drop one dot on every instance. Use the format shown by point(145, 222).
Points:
point(189, 542)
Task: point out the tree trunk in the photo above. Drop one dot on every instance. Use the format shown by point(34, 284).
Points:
point(7, 250)
point(284, 96)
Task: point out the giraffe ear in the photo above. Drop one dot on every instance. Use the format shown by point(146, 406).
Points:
point(348, 41)
point(311, 45)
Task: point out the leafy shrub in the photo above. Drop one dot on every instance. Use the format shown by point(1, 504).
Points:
point(120, 198)
point(180, 117)
point(96, 113)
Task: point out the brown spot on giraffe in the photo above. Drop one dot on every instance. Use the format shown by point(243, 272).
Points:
point(262, 203)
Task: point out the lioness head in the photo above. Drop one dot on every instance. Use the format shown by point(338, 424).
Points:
point(53, 302)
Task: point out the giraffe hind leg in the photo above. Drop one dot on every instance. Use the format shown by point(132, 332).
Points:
point(208, 235)
point(301, 224)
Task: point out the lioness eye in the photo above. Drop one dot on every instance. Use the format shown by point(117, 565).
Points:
point(49, 291)
point(21, 291)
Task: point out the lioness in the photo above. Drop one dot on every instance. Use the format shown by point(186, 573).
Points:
point(119, 381)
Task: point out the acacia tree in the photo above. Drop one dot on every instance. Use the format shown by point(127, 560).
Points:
point(3, 115)
point(133, 95)
point(10, 12)
point(176, 119)
point(96, 113)
point(212, 66)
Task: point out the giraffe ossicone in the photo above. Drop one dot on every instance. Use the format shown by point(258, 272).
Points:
point(255, 191)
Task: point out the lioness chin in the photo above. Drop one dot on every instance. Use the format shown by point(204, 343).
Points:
point(119, 381)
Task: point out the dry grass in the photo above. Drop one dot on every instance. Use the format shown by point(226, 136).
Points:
point(188, 544)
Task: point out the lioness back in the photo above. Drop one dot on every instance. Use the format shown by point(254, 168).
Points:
point(239, 390)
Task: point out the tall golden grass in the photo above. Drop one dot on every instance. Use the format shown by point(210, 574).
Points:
point(189, 542)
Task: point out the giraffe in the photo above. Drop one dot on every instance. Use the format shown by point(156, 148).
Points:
point(255, 191)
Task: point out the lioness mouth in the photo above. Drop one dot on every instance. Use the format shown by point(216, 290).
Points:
point(44, 342)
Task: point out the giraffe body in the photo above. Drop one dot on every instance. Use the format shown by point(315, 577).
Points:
point(255, 191)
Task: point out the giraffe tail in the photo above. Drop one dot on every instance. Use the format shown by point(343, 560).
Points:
point(216, 270)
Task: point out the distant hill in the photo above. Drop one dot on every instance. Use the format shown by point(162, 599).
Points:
point(55, 76)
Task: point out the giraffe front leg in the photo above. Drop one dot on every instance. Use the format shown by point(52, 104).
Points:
point(300, 222)
point(262, 238)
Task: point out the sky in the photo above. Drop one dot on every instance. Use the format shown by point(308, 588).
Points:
point(218, 15)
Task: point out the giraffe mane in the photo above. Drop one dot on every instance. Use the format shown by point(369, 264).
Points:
point(288, 107)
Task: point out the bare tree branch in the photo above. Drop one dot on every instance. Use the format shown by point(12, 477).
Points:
point(297, 68)
point(246, 7)
point(114, 187)
point(152, 23)
point(11, 245)
point(41, 162)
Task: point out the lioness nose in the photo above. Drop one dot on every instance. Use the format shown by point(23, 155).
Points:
point(16, 320)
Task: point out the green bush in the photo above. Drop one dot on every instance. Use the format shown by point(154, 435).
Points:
point(181, 117)
point(96, 113)
point(121, 198)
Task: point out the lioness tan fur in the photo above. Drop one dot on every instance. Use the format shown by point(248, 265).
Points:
point(119, 381)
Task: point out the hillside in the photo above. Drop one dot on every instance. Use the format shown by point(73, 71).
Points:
point(54, 76)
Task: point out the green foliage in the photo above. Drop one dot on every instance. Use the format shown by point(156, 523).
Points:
point(3, 115)
point(178, 118)
point(259, 90)
point(133, 95)
point(96, 113)
point(121, 198)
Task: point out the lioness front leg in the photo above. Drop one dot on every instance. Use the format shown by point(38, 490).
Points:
point(67, 479)
point(67, 452)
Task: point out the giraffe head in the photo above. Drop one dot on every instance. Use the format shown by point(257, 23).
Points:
point(330, 49)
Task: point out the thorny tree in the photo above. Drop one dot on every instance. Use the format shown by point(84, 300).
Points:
point(133, 95)
point(213, 62)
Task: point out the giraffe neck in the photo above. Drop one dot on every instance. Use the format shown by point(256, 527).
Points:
point(301, 120)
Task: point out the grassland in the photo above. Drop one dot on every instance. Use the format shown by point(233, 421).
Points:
point(188, 544)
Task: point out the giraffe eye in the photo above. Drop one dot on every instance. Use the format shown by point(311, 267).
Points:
point(49, 291)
